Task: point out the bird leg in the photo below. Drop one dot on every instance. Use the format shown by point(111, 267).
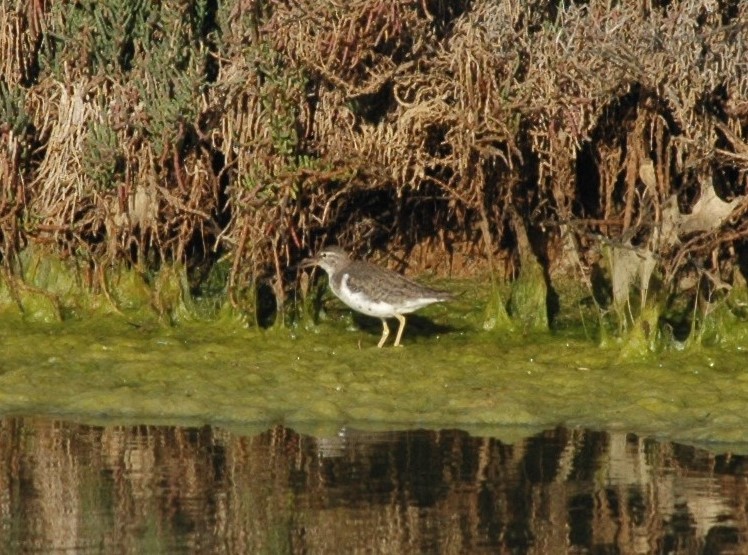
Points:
point(385, 333)
point(401, 319)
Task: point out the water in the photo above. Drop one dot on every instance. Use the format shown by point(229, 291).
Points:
point(70, 487)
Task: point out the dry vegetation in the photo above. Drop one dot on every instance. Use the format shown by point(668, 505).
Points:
point(602, 138)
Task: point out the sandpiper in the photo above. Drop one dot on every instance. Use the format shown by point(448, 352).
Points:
point(372, 290)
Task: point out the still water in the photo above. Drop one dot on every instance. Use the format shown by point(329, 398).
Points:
point(70, 487)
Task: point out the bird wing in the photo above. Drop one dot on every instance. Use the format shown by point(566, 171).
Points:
point(388, 280)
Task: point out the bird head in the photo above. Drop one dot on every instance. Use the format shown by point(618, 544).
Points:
point(329, 259)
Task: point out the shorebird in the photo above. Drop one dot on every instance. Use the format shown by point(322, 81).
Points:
point(372, 290)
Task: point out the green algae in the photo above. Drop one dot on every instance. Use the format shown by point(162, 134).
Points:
point(42, 287)
point(529, 297)
point(332, 375)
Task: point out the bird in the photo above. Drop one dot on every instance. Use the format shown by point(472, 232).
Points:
point(372, 290)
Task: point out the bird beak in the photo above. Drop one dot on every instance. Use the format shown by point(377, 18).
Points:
point(308, 262)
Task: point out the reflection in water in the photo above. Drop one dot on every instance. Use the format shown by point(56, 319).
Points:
point(147, 489)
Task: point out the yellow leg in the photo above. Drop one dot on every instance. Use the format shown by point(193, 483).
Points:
point(385, 333)
point(401, 319)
